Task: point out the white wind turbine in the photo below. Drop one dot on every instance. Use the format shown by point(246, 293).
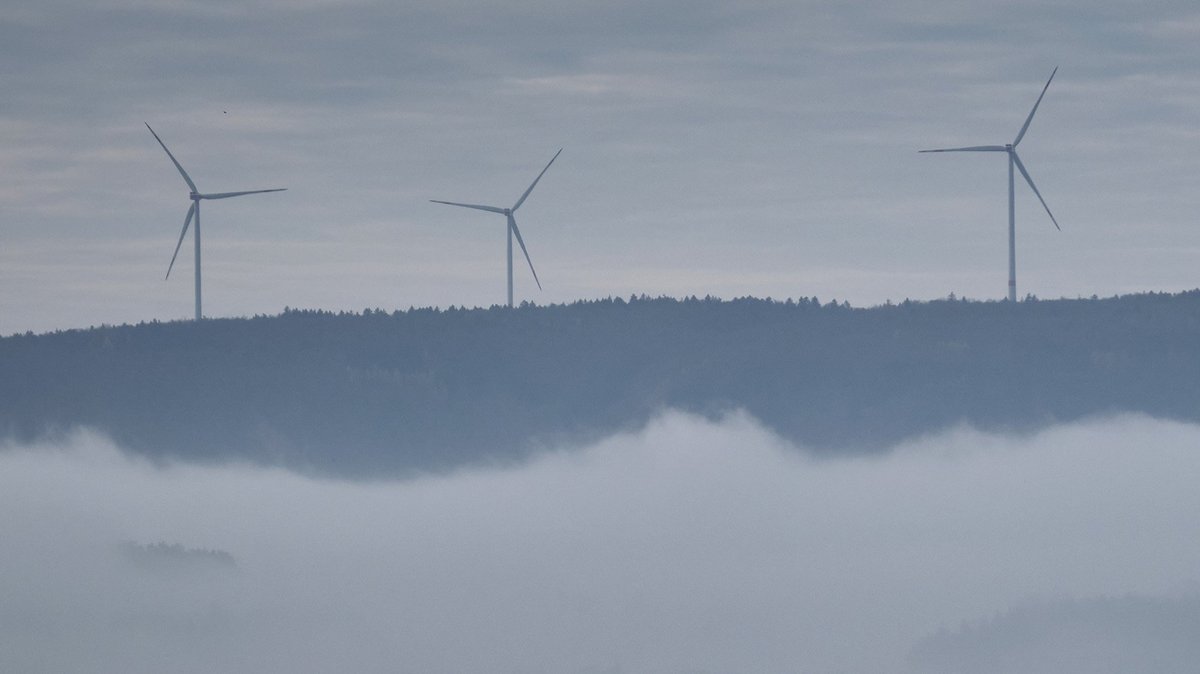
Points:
point(512, 226)
point(1013, 160)
point(196, 196)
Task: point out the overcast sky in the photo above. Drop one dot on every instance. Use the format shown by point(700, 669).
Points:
point(764, 148)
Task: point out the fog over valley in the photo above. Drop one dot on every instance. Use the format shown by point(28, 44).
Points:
point(692, 545)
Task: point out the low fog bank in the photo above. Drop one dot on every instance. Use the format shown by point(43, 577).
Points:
point(691, 546)
point(1099, 635)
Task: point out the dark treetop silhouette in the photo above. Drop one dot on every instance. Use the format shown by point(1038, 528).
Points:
point(428, 390)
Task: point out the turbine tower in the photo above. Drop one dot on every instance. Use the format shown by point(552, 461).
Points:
point(512, 226)
point(1013, 160)
point(194, 210)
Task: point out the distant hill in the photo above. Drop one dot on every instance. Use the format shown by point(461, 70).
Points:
point(429, 390)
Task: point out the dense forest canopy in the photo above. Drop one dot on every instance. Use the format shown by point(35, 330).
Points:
point(389, 394)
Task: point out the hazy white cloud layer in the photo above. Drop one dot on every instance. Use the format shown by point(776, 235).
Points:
point(711, 147)
point(693, 546)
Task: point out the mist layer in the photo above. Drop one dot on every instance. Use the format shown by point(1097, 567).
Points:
point(692, 546)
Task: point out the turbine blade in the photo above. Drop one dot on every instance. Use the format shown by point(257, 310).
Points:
point(489, 209)
point(186, 221)
point(512, 222)
point(186, 178)
point(1035, 107)
point(973, 148)
point(226, 195)
point(1029, 180)
point(535, 181)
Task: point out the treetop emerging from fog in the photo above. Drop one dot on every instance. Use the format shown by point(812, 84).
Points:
point(382, 393)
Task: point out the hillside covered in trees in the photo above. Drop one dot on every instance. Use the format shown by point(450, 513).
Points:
point(386, 394)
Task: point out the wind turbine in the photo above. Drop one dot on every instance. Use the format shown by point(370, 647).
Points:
point(196, 197)
point(1013, 160)
point(512, 226)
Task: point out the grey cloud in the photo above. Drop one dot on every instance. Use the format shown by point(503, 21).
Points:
point(770, 147)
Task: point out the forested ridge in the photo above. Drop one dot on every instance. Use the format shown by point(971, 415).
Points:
point(384, 394)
